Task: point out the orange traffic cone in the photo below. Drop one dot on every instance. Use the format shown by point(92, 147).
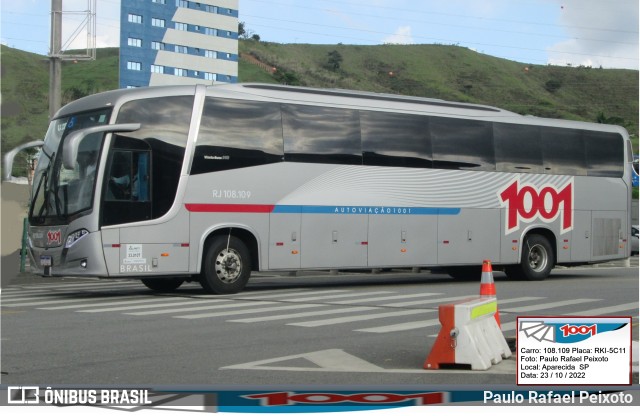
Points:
point(487, 285)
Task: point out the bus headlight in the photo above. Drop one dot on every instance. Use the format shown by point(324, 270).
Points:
point(74, 237)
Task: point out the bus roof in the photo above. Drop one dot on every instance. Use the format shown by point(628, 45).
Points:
point(354, 99)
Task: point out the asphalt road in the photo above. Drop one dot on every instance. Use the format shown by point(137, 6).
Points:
point(315, 329)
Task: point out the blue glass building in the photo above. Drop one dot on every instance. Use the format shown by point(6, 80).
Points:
point(178, 42)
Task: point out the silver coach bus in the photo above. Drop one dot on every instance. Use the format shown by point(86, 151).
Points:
point(174, 184)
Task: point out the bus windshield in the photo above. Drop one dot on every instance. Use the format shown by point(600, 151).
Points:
point(59, 192)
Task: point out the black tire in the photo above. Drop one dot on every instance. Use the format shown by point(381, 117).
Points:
point(537, 261)
point(225, 271)
point(465, 273)
point(163, 285)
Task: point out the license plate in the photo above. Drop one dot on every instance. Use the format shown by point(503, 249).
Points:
point(46, 261)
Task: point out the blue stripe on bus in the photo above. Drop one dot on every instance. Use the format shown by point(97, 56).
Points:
point(369, 210)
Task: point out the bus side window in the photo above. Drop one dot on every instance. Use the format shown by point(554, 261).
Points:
point(119, 178)
point(462, 144)
point(563, 151)
point(237, 134)
point(129, 176)
point(517, 148)
point(314, 134)
point(605, 154)
point(391, 139)
point(127, 188)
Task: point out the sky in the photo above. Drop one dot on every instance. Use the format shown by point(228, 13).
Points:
point(540, 32)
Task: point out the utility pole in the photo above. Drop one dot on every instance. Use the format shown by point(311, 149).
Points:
point(55, 58)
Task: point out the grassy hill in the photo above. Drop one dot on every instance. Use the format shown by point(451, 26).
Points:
point(25, 90)
point(460, 74)
point(436, 71)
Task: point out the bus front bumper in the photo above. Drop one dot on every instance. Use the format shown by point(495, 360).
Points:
point(83, 258)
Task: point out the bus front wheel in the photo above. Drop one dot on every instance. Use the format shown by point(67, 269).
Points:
point(537, 259)
point(227, 266)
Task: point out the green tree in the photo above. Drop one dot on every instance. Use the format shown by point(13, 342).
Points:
point(335, 59)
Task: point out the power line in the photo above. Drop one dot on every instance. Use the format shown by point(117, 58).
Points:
point(493, 30)
point(447, 41)
point(395, 10)
point(24, 40)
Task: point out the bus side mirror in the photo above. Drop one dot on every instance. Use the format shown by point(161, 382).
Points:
point(72, 142)
point(7, 163)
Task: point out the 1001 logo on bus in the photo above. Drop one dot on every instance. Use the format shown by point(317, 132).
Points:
point(528, 203)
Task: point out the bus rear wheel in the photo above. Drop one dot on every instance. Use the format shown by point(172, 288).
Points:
point(227, 266)
point(537, 259)
point(163, 285)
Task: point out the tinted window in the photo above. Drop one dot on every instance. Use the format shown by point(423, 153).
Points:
point(462, 144)
point(390, 139)
point(127, 196)
point(563, 151)
point(605, 154)
point(517, 148)
point(237, 134)
point(164, 127)
point(321, 134)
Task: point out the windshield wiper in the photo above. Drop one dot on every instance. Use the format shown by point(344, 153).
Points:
point(43, 180)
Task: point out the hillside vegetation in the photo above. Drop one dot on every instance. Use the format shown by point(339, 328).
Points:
point(458, 74)
point(436, 71)
point(25, 90)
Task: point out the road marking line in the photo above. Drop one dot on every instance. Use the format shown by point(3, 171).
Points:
point(304, 314)
point(337, 360)
point(327, 360)
point(347, 295)
point(228, 304)
point(285, 293)
point(431, 322)
point(50, 294)
point(408, 296)
point(425, 302)
point(105, 302)
point(65, 301)
point(7, 302)
point(401, 327)
point(131, 307)
point(334, 321)
point(247, 311)
point(548, 305)
point(633, 306)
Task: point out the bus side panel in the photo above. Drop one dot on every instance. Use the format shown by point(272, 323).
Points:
point(402, 240)
point(607, 201)
point(161, 248)
point(469, 237)
point(334, 240)
point(609, 232)
point(160, 259)
point(510, 242)
point(581, 236)
point(110, 244)
point(284, 241)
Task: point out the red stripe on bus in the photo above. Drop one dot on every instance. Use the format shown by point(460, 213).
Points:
point(229, 208)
